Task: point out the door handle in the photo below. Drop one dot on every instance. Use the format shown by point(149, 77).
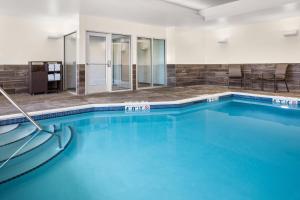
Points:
point(109, 63)
point(96, 64)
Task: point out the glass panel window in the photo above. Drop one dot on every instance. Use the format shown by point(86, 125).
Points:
point(70, 62)
point(159, 64)
point(151, 65)
point(144, 62)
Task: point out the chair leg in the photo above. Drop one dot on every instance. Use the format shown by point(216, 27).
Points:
point(286, 85)
point(275, 85)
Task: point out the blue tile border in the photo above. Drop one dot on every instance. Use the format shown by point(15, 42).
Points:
point(253, 98)
point(60, 114)
point(122, 108)
point(178, 105)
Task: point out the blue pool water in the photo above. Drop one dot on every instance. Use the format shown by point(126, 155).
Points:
point(225, 150)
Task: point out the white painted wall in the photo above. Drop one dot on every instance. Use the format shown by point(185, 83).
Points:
point(25, 39)
point(253, 43)
point(185, 46)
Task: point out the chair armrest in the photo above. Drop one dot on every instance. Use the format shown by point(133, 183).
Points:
point(268, 76)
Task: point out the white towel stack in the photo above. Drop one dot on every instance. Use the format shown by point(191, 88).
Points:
point(57, 76)
point(51, 77)
point(51, 67)
point(57, 67)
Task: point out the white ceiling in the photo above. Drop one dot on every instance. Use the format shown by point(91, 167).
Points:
point(159, 12)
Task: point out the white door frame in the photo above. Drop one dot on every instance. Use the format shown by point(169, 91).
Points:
point(108, 68)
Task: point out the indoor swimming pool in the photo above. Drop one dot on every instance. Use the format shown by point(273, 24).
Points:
point(231, 149)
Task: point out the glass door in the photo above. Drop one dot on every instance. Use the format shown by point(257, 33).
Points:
point(98, 62)
point(121, 62)
point(70, 62)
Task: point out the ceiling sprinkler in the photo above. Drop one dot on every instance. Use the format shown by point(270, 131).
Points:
point(201, 15)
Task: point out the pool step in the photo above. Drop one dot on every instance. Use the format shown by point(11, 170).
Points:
point(42, 149)
point(29, 139)
point(17, 134)
point(8, 128)
point(35, 141)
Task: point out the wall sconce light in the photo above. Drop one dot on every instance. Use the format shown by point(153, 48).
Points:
point(223, 41)
point(55, 36)
point(291, 33)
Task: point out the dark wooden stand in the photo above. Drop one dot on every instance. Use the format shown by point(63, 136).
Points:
point(38, 77)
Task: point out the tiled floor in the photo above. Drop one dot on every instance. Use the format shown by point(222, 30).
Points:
point(50, 101)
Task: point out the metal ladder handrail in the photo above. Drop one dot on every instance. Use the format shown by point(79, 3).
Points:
point(36, 124)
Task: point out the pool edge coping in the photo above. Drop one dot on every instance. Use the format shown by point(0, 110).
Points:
point(52, 113)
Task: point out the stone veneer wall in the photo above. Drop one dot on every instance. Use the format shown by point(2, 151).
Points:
point(14, 78)
point(80, 82)
point(134, 76)
point(171, 75)
point(216, 74)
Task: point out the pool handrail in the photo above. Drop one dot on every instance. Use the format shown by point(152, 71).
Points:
point(36, 124)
